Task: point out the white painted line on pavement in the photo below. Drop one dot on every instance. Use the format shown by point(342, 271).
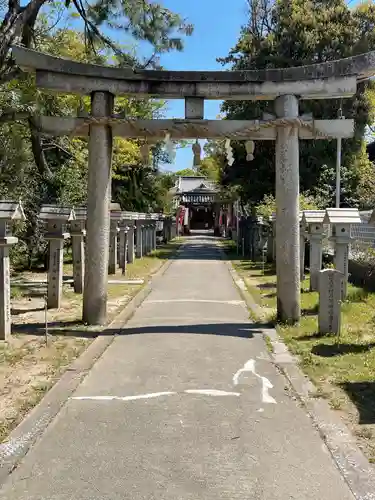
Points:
point(166, 301)
point(205, 392)
point(249, 366)
point(212, 392)
point(124, 398)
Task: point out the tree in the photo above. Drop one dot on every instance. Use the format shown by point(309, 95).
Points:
point(29, 25)
point(189, 172)
point(294, 33)
point(60, 174)
point(141, 19)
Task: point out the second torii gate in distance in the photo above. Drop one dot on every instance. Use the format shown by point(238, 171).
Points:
point(286, 87)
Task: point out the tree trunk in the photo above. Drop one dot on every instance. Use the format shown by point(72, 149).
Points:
point(16, 26)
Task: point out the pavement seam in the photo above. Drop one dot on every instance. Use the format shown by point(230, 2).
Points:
point(35, 423)
point(352, 464)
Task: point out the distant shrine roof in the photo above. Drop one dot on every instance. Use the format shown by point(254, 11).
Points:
point(185, 184)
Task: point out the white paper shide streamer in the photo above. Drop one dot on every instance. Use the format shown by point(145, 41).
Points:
point(229, 152)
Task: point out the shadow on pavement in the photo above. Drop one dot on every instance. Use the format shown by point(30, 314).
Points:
point(241, 330)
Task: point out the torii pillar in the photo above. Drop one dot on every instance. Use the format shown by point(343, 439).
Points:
point(287, 212)
point(98, 217)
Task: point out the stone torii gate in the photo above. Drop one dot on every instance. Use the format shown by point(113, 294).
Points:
point(337, 79)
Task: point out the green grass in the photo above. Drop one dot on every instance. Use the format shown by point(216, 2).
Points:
point(345, 373)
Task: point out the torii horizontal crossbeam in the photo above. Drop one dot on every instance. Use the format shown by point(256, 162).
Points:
point(197, 129)
point(325, 80)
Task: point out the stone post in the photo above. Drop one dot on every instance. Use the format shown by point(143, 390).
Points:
point(287, 212)
point(113, 235)
point(271, 243)
point(98, 200)
point(139, 242)
point(77, 233)
point(9, 212)
point(316, 240)
point(123, 245)
point(302, 248)
point(148, 238)
point(342, 261)
point(173, 229)
point(217, 219)
point(166, 230)
point(130, 240)
point(56, 219)
point(313, 219)
point(330, 281)
point(154, 230)
point(144, 237)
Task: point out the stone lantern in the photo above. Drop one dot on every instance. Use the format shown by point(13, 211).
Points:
point(10, 211)
point(56, 219)
point(313, 220)
point(341, 220)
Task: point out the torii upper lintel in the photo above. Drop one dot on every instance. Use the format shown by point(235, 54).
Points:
point(330, 79)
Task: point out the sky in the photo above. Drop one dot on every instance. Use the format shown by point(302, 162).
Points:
point(217, 25)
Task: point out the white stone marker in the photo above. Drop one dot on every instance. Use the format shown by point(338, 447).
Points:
point(330, 282)
point(313, 219)
point(78, 232)
point(341, 220)
point(56, 219)
point(9, 211)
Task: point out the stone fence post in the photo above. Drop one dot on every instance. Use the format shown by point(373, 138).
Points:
point(167, 229)
point(56, 219)
point(148, 234)
point(131, 237)
point(129, 219)
point(10, 211)
point(313, 219)
point(139, 237)
point(115, 218)
point(123, 244)
point(77, 233)
point(330, 282)
point(302, 247)
point(271, 239)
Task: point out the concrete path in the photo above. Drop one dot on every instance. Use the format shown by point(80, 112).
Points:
point(184, 405)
